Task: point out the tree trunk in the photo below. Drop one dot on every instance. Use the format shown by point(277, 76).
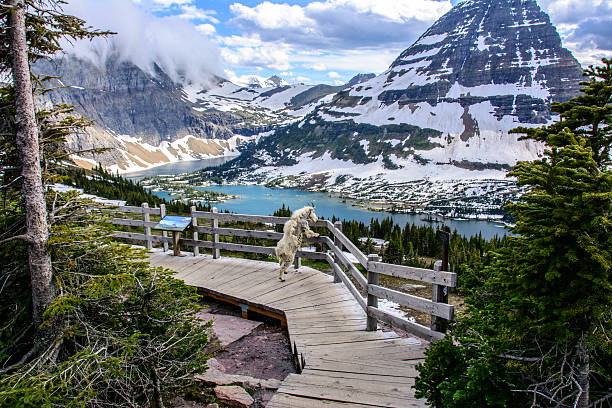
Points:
point(157, 396)
point(28, 147)
point(582, 367)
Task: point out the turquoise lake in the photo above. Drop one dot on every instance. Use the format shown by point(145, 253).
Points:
point(259, 200)
point(264, 201)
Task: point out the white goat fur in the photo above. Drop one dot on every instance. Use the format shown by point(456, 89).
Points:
point(295, 230)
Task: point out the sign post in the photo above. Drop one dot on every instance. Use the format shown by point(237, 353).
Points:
point(440, 292)
point(176, 225)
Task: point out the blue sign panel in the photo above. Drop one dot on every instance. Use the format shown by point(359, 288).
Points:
point(173, 223)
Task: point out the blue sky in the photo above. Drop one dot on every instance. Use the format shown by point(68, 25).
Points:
point(322, 41)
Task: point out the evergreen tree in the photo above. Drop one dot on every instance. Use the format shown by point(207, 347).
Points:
point(538, 327)
point(394, 253)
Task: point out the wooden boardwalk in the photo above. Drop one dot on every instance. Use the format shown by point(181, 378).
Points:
point(345, 366)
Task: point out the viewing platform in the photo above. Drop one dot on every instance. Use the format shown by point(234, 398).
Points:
point(342, 357)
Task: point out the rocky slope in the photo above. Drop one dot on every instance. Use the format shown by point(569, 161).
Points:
point(147, 119)
point(441, 112)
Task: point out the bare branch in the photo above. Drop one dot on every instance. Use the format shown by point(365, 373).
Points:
point(23, 237)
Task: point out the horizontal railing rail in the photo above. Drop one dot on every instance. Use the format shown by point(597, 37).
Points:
point(337, 243)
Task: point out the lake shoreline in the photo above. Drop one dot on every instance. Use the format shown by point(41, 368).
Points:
point(255, 199)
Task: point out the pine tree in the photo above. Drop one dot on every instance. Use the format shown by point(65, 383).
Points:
point(538, 329)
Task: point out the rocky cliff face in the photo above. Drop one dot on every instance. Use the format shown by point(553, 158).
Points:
point(147, 120)
point(125, 100)
point(443, 109)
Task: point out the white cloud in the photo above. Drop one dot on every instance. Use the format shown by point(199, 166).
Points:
point(303, 79)
point(338, 83)
point(375, 61)
point(340, 24)
point(240, 41)
point(317, 67)
point(194, 13)
point(333, 74)
point(585, 26)
point(173, 43)
point(169, 3)
point(272, 16)
point(206, 29)
point(286, 74)
point(267, 55)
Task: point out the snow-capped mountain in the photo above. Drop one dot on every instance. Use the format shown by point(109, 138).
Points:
point(256, 81)
point(148, 119)
point(442, 111)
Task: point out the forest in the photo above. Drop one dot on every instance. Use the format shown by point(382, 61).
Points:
point(87, 322)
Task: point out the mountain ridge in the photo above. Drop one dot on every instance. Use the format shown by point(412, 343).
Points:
point(481, 70)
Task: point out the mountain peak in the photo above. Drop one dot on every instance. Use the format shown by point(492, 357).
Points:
point(360, 78)
point(486, 42)
point(277, 81)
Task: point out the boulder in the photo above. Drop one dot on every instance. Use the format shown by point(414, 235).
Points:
point(234, 396)
point(215, 377)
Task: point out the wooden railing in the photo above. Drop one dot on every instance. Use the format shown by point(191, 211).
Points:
point(342, 267)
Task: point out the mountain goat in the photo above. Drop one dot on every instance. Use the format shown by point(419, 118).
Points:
point(295, 230)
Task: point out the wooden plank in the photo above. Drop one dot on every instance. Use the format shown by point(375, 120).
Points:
point(419, 274)
point(246, 280)
point(216, 254)
point(353, 338)
point(347, 312)
point(147, 230)
point(324, 324)
point(133, 223)
point(194, 227)
point(362, 341)
point(380, 354)
point(349, 285)
point(282, 298)
point(285, 287)
point(315, 299)
point(140, 237)
point(363, 391)
point(388, 368)
point(406, 325)
point(280, 400)
point(263, 219)
point(345, 328)
point(363, 260)
point(340, 255)
point(234, 232)
point(138, 210)
point(320, 289)
point(350, 376)
point(330, 304)
point(162, 214)
point(227, 273)
point(414, 302)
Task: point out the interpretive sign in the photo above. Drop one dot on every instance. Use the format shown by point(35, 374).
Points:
point(177, 225)
point(173, 223)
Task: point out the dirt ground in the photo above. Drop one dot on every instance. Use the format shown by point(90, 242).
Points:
point(264, 353)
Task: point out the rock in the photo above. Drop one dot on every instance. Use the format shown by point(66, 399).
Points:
point(215, 377)
point(179, 402)
point(229, 328)
point(234, 396)
point(212, 406)
point(213, 363)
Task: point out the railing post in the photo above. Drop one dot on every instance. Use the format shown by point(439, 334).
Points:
point(338, 243)
point(162, 214)
point(147, 229)
point(373, 279)
point(439, 293)
point(216, 253)
point(194, 223)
